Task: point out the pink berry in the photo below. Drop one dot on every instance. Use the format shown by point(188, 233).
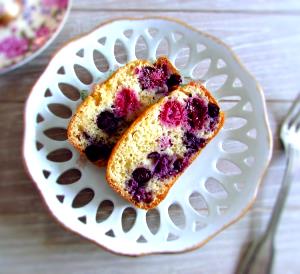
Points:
point(151, 77)
point(172, 113)
point(126, 102)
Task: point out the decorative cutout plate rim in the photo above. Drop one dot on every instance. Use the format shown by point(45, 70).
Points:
point(136, 248)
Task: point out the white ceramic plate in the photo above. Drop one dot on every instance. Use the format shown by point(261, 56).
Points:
point(214, 191)
point(27, 35)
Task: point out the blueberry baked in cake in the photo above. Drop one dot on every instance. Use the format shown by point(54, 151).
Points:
point(113, 105)
point(156, 149)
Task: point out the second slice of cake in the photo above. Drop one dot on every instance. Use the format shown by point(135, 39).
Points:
point(162, 143)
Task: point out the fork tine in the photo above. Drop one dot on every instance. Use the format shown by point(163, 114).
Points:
point(293, 112)
point(296, 122)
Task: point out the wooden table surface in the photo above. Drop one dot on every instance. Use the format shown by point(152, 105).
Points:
point(266, 36)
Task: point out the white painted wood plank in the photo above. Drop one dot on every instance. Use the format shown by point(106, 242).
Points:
point(191, 5)
point(53, 250)
point(268, 46)
point(32, 242)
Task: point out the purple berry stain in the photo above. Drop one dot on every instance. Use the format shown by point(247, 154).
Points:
point(165, 142)
point(132, 186)
point(142, 195)
point(179, 165)
point(138, 192)
point(166, 165)
point(163, 166)
point(153, 155)
point(192, 142)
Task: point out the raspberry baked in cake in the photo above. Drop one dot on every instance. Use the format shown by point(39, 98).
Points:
point(162, 143)
point(113, 105)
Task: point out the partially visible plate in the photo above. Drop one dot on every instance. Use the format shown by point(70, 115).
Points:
point(26, 36)
point(215, 190)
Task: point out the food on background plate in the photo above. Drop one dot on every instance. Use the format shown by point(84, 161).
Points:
point(113, 105)
point(162, 143)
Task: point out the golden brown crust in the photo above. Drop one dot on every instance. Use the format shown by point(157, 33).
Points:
point(94, 95)
point(168, 186)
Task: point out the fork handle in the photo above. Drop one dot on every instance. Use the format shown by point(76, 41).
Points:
point(259, 258)
point(283, 192)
